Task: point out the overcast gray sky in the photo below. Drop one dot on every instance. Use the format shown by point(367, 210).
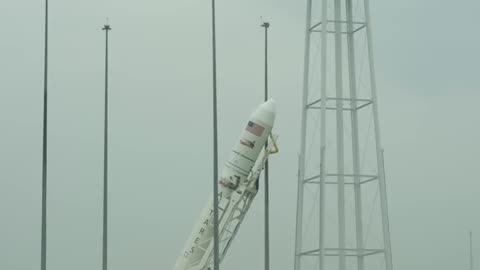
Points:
point(160, 168)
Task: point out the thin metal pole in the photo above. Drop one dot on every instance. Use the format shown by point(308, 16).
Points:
point(216, 248)
point(303, 134)
point(106, 28)
point(43, 263)
point(267, 210)
point(471, 250)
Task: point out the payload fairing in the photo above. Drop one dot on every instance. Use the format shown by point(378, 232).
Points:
point(238, 187)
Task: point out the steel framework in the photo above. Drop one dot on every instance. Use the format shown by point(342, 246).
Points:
point(344, 122)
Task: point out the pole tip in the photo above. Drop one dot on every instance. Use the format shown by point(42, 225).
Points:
point(107, 25)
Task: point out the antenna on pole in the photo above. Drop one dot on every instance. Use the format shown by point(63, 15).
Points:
point(216, 247)
point(267, 210)
point(43, 262)
point(106, 28)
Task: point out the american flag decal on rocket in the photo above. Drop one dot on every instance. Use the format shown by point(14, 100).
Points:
point(255, 129)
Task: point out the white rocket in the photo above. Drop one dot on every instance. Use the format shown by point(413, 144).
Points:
point(237, 189)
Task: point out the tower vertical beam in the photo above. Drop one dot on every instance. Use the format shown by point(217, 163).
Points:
point(323, 137)
point(340, 135)
point(378, 142)
point(355, 136)
point(303, 133)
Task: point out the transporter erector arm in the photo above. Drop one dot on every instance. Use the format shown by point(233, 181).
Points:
point(237, 189)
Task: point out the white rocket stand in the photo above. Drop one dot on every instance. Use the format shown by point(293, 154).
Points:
point(232, 211)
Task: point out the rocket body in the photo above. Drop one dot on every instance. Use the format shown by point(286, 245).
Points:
point(239, 165)
point(251, 142)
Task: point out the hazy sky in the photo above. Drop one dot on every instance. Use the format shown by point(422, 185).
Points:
point(160, 145)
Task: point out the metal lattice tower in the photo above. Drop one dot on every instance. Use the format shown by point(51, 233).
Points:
point(342, 201)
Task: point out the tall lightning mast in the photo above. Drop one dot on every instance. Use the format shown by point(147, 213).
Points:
point(43, 256)
point(266, 25)
point(342, 103)
point(106, 28)
point(216, 244)
point(471, 250)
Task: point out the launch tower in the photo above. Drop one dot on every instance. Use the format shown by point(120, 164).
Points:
point(342, 213)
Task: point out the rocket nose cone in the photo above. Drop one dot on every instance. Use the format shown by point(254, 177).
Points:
point(269, 106)
point(266, 112)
